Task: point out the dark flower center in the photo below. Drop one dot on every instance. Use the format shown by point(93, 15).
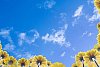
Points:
point(22, 64)
point(98, 49)
point(2, 56)
point(91, 57)
point(39, 62)
point(48, 64)
point(81, 59)
point(10, 62)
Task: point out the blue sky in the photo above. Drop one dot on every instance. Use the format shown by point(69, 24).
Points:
point(57, 29)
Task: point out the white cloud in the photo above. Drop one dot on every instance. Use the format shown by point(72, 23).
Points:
point(28, 37)
point(90, 1)
point(78, 12)
point(86, 33)
point(9, 47)
point(26, 55)
point(73, 57)
point(63, 54)
point(94, 17)
point(5, 33)
point(58, 37)
point(48, 4)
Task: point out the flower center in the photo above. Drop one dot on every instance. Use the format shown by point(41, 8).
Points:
point(98, 49)
point(22, 64)
point(2, 56)
point(48, 64)
point(91, 57)
point(81, 59)
point(39, 62)
point(10, 62)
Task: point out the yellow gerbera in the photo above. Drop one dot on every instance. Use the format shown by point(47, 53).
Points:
point(39, 61)
point(79, 58)
point(91, 57)
point(97, 4)
point(0, 46)
point(2, 64)
point(97, 47)
point(98, 26)
point(98, 38)
point(30, 61)
point(75, 65)
point(3, 54)
point(23, 62)
point(10, 61)
point(48, 63)
point(57, 64)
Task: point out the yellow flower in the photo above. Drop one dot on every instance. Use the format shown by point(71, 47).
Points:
point(2, 63)
point(97, 47)
point(23, 62)
point(98, 38)
point(79, 58)
point(57, 64)
point(90, 56)
point(39, 61)
point(97, 4)
point(30, 61)
point(3, 54)
point(98, 26)
point(10, 61)
point(75, 65)
point(48, 63)
point(0, 46)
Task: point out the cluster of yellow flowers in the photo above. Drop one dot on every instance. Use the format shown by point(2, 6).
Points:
point(90, 58)
point(36, 61)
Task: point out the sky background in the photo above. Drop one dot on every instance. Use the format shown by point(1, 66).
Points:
point(57, 29)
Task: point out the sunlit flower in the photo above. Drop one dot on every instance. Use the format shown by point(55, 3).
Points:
point(57, 64)
point(10, 61)
point(3, 54)
point(48, 63)
point(23, 62)
point(92, 57)
point(98, 26)
point(97, 4)
point(39, 61)
point(97, 47)
point(2, 64)
point(98, 38)
point(79, 58)
point(75, 65)
point(0, 46)
point(30, 61)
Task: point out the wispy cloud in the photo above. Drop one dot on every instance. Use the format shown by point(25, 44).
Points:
point(77, 15)
point(48, 4)
point(78, 12)
point(5, 33)
point(90, 1)
point(63, 54)
point(94, 17)
point(9, 47)
point(28, 37)
point(58, 37)
point(26, 55)
point(86, 33)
